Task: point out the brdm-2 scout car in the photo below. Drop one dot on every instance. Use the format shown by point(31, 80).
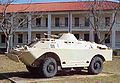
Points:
point(49, 55)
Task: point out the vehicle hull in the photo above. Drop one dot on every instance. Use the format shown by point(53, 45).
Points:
point(68, 57)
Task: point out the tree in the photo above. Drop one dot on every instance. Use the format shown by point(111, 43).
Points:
point(96, 11)
point(6, 20)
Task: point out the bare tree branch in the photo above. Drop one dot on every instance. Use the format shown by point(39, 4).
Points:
point(110, 29)
point(6, 25)
point(96, 9)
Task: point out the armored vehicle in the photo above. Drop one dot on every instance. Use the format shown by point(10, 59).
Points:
point(49, 55)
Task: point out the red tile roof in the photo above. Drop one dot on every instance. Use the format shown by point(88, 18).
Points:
point(59, 6)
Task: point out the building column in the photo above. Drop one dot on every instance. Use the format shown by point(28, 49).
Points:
point(113, 38)
point(29, 28)
point(49, 25)
point(91, 33)
point(113, 32)
point(70, 22)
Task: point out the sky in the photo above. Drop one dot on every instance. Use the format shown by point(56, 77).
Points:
point(42, 1)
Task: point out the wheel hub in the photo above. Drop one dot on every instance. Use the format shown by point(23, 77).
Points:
point(50, 68)
point(97, 66)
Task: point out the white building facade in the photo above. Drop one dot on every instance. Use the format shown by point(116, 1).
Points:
point(63, 21)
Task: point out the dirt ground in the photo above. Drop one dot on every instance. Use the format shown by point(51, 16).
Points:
point(110, 74)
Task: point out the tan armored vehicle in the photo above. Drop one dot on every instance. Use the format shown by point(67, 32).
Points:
point(49, 55)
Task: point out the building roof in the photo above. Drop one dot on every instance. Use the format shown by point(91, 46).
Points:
point(60, 6)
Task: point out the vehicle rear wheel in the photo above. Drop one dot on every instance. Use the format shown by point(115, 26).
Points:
point(95, 66)
point(32, 70)
point(49, 68)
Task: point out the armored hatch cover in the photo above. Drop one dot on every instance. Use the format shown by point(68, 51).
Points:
point(68, 36)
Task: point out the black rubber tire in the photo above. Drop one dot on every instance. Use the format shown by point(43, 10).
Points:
point(32, 70)
point(95, 66)
point(49, 68)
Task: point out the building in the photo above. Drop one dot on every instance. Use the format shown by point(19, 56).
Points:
point(61, 17)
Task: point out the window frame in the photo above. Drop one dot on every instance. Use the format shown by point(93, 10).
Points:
point(66, 21)
point(38, 21)
point(87, 22)
point(57, 22)
point(87, 35)
point(3, 40)
point(107, 21)
point(76, 22)
point(20, 38)
point(46, 24)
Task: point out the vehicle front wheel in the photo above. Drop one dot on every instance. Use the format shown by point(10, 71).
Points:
point(95, 66)
point(49, 68)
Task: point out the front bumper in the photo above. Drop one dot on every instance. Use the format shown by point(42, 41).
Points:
point(13, 55)
point(24, 56)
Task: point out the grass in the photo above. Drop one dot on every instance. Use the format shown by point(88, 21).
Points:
point(111, 79)
point(7, 65)
point(113, 66)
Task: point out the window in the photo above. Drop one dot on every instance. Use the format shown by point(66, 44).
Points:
point(2, 38)
point(86, 37)
point(76, 35)
point(87, 21)
point(20, 38)
point(38, 21)
point(46, 22)
point(107, 40)
point(28, 22)
point(76, 22)
point(107, 21)
point(96, 39)
point(56, 34)
point(57, 24)
point(38, 36)
point(46, 36)
point(5, 21)
point(13, 38)
point(66, 21)
point(27, 39)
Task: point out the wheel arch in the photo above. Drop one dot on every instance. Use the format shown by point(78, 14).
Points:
point(101, 56)
point(45, 55)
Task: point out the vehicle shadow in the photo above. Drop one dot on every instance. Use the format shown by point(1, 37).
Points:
point(27, 75)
